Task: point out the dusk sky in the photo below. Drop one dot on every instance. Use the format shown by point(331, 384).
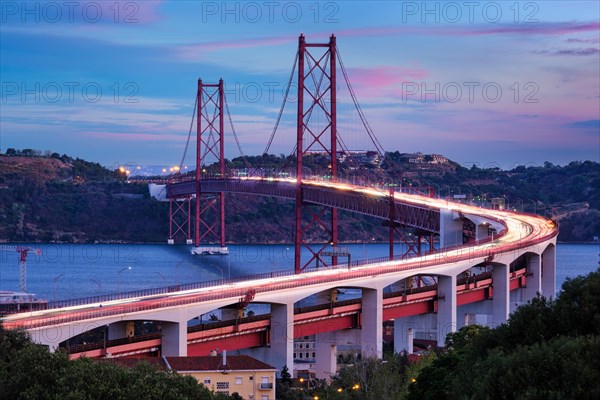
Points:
point(495, 83)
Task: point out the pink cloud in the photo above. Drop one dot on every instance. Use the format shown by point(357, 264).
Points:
point(378, 81)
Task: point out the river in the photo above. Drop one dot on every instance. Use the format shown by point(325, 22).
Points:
point(66, 271)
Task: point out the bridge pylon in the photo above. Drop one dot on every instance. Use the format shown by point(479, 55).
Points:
point(316, 132)
point(210, 208)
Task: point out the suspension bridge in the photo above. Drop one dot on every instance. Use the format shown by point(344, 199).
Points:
point(483, 262)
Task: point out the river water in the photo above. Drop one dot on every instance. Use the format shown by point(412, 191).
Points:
point(66, 271)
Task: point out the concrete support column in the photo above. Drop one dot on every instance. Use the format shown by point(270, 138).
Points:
point(50, 337)
point(372, 323)
point(282, 337)
point(326, 297)
point(231, 313)
point(451, 229)
point(480, 313)
point(402, 340)
point(482, 231)
point(174, 339)
point(534, 277)
point(446, 313)
point(121, 329)
point(549, 272)
point(501, 299)
point(326, 356)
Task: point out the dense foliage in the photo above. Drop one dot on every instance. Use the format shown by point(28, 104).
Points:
point(28, 371)
point(549, 349)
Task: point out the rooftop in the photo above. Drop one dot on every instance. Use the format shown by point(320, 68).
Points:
point(214, 363)
point(197, 363)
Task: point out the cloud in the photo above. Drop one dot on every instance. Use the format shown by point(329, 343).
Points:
point(383, 80)
point(194, 52)
point(589, 126)
point(578, 52)
point(558, 28)
point(576, 40)
point(590, 51)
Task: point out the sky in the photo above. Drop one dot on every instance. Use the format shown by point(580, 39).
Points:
point(502, 83)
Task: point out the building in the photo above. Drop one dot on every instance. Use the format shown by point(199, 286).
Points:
point(304, 349)
point(250, 378)
point(438, 159)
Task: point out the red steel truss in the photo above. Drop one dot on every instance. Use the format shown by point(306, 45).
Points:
point(210, 209)
point(316, 81)
point(411, 240)
point(179, 217)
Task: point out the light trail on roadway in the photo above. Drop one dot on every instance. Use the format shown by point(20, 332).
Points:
point(520, 231)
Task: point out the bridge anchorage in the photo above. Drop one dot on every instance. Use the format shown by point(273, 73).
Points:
point(316, 209)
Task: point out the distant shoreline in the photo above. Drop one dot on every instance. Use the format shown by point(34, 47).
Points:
point(227, 243)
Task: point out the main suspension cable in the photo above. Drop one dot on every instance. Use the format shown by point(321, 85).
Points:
point(187, 143)
point(285, 97)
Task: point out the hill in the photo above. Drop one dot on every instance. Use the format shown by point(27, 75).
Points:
point(58, 198)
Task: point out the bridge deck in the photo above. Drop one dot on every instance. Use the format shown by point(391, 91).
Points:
point(252, 331)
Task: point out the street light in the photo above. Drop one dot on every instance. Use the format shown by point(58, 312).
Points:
point(55, 281)
point(119, 278)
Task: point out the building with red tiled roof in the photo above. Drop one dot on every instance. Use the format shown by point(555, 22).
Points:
point(250, 378)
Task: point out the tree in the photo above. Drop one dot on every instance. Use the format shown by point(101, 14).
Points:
point(286, 377)
point(547, 349)
point(28, 371)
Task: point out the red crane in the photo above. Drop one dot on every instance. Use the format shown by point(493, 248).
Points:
point(22, 250)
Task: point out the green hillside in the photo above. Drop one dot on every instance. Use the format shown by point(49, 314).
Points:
point(51, 197)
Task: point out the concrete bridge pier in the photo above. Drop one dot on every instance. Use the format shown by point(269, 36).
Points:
point(174, 339)
point(482, 231)
point(372, 323)
point(325, 355)
point(534, 276)
point(501, 290)
point(451, 229)
point(424, 327)
point(404, 334)
point(47, 337)
point(479, 313)
point(121, 329)
point(549, 271)
point(446, 313)
point(281, 349)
